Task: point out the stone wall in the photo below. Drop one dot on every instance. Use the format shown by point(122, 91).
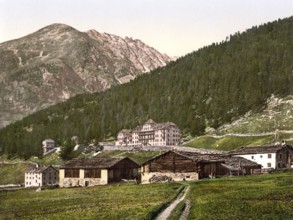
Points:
point(159, 177)
point(81, 181)
point(159, 148)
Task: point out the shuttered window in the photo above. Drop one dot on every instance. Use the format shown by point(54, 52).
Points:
point(73, 173)
point(92, 173)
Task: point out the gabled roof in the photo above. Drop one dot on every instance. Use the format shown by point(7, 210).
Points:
point(163, 125)
point(95, 162)
point(196, 157)
point(233, 163)
point(207, 158)
point(125, 132)
point(48, 140)
point(137, 129)
point(150, 121)
point(38, 169)
point(259, 149)
point(154, 126)
point(236, 163)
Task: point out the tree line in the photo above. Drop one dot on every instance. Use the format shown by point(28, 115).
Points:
point(214, 85)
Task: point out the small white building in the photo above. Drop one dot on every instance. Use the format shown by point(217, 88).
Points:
point(150, 134)
point(269, 157)
point(41, 176)
point(48, 145)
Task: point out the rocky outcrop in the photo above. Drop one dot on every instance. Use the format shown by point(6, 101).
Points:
point(58, 62)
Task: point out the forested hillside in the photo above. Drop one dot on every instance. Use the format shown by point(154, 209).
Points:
point(206, 88)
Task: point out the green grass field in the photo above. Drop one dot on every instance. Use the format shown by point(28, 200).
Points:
point(267, 196)
point(124, 201)
point(137, 156)
point(13, 173)
point(251, 197)
point(229, 142)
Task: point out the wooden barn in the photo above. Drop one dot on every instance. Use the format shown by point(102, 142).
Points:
point(190, 166)
point(227, 165)
point(177, 167)
point(97, 171)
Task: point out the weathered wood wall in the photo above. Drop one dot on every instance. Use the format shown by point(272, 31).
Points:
point(171, 162)
point(284, 158)
point(125, 169)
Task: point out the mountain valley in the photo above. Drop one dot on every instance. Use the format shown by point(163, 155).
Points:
point(217, 85)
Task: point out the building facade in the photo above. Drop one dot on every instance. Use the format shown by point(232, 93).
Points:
point(48, 145)
point(150, 134)
point(97, 171)
point(191, 166)
point(41, 176)
point(269, 157)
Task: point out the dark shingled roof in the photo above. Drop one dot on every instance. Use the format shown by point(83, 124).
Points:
point(259, 149)
point(95, 162)
point(233, 163)
point(155, 126)
point(200, 157)
point(38, 169)
point(236, 163)
point(196, 157)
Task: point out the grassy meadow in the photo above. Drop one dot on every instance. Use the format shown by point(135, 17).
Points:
point(229, 142)
point(251, 197)
point(138, 156)
point(267, 196)
point(13, 173)
point(119, 201)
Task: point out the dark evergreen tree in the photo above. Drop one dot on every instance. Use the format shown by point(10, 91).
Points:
point(206, 88)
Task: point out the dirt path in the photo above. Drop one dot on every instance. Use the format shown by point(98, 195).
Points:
point(166, 213)
point(185, 213)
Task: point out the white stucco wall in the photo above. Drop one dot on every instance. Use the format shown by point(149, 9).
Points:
point(81, 181)
point(32, 179)
point(262, 159)
point(47, 177)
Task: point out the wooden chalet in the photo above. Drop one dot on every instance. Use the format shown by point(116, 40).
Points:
point(190, 166)
point(97, 171)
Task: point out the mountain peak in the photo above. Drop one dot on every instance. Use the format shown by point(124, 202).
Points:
point(57, 26)
point(58, 62)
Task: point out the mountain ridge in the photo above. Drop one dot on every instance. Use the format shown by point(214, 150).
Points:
point(203, 90)
point(57, 62)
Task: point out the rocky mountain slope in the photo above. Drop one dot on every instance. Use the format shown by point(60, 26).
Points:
point(58, 62)
point(272, 125)
point(202, 91)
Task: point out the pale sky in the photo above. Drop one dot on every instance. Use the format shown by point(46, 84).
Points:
point(175, 27)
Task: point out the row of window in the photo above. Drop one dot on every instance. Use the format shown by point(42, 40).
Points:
point(92, 173)
point(44, 178)
point(72, 173)
point(29, 183)
point(38, 177)
point(261, 156)
point(88, 173)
